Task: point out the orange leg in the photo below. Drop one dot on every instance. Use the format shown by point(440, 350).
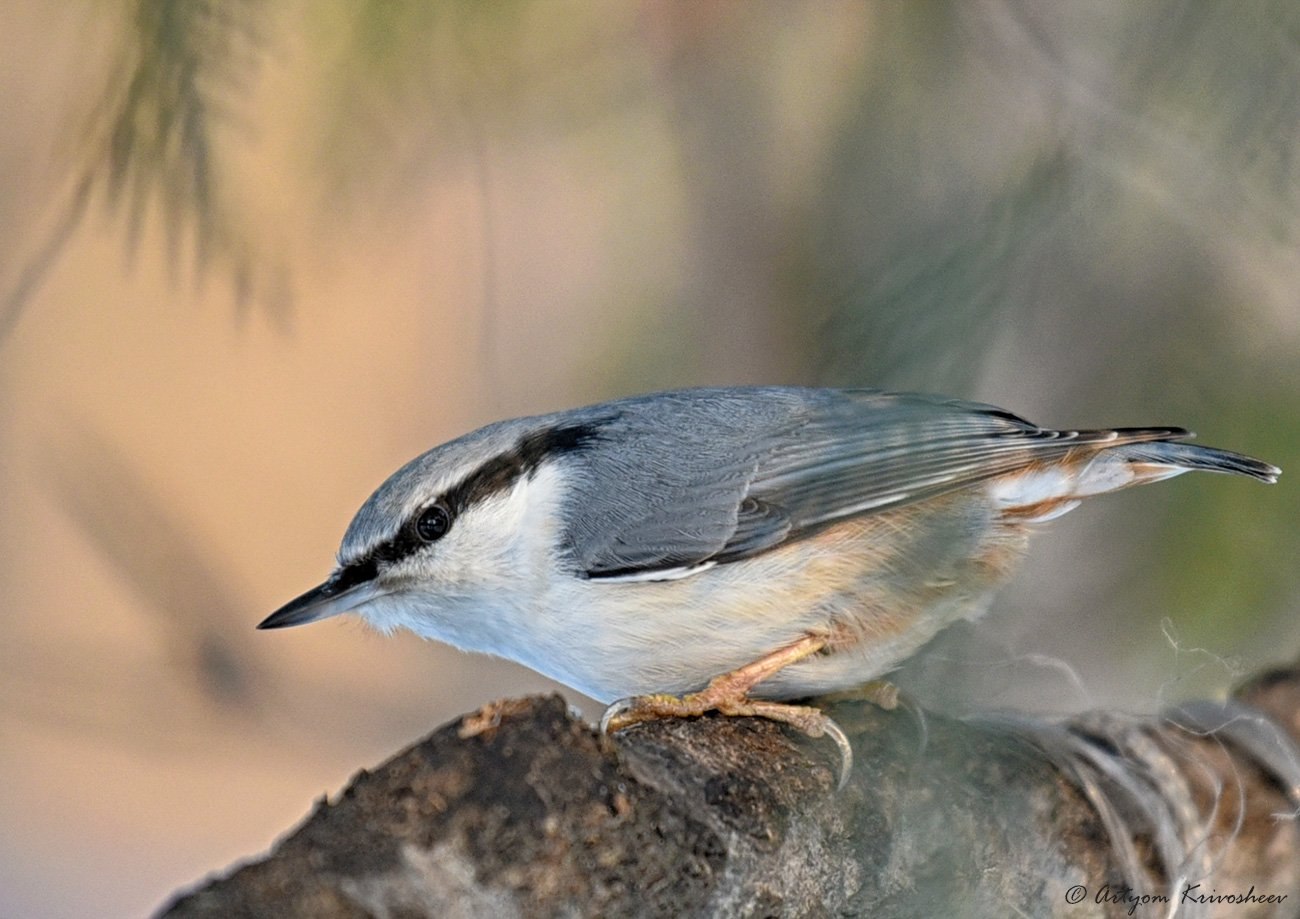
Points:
point(728, 694)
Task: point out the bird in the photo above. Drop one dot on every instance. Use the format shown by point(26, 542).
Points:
point(731, 549)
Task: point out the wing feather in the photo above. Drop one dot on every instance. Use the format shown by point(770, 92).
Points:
point(719, 475)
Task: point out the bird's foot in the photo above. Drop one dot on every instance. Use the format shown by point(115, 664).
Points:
point(811, 721)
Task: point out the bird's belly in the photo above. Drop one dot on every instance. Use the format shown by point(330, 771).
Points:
point(876, 587)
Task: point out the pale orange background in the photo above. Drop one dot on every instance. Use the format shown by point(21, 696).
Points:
point(468, 246)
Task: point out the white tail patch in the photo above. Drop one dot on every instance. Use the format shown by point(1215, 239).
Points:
point(1036, 495)
point(1034, 486)
point(1113, 471)
point(1043, 493)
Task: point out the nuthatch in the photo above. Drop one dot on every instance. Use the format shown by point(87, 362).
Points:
point(724, 549)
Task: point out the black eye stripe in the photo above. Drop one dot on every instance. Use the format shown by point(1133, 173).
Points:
point(503, 471)
point(496, 475)
point(403, 544)
point(351, 575)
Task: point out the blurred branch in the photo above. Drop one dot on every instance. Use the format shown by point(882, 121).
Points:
point(932, 310)
point(157, 553)
point(152, 141)
point(33, 272)
point(516, 810)
point(179, 70)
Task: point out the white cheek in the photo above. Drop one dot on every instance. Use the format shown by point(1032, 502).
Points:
point(479, 548)
point(481, 586)
point(503, 543)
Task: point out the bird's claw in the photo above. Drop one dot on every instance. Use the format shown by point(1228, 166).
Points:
point(811, 721)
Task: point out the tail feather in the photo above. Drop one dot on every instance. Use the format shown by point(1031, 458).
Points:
point(1109, 461)
point(1193, 456)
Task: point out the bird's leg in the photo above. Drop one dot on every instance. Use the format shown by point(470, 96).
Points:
point(728, 694)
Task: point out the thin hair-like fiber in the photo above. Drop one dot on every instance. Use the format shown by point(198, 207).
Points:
point(1136, 774)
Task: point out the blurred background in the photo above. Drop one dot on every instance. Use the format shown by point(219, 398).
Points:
point(255, 256)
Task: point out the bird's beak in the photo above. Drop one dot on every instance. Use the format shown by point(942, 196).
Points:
point(329, 599)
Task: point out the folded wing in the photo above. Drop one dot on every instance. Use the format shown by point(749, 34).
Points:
point(707, 477)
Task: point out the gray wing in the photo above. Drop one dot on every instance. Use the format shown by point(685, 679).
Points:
point(698, 477)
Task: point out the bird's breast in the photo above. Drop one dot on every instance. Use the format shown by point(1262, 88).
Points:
point(877, 587)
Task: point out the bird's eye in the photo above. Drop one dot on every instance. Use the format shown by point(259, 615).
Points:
point(433, 523)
